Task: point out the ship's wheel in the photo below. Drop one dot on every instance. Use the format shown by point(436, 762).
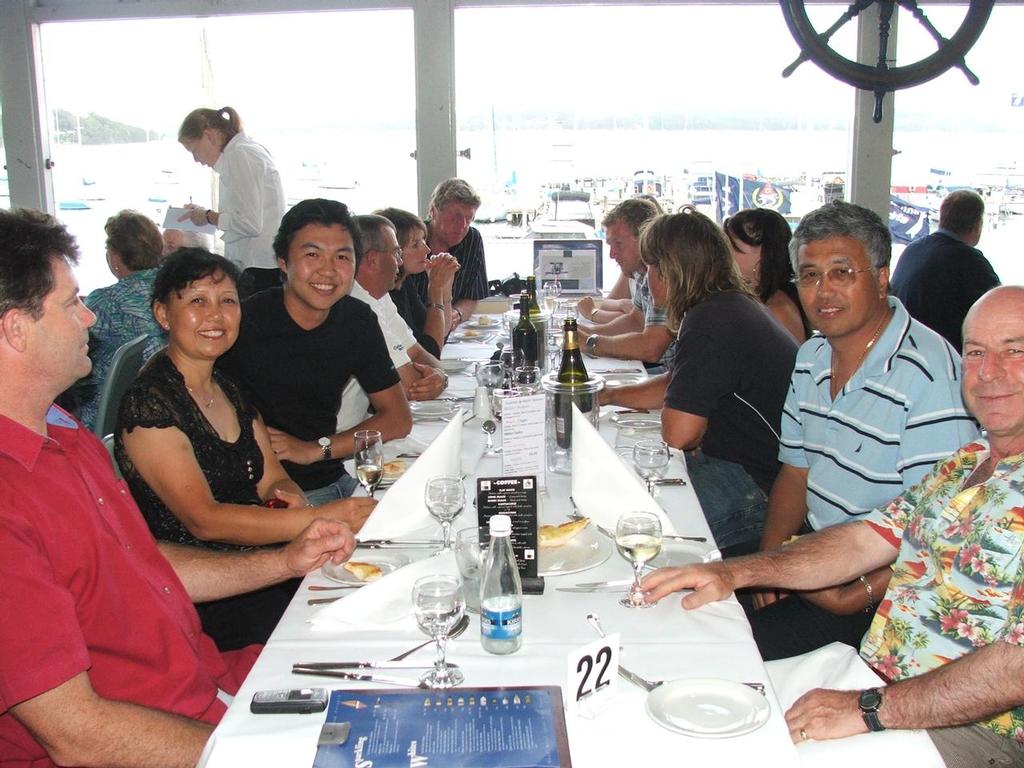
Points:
point(885, 76)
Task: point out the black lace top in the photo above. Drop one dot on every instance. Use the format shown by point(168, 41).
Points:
point(158, 398)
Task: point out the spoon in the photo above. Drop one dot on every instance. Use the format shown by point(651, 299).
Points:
point(457, 630)
point(489, 428)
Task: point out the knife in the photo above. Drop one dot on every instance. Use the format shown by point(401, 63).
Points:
point(670, 481)
point(357, 665)
point(598, 586)
point(356, 676)
point(410, 544)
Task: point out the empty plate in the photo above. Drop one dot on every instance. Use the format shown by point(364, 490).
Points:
point(708, 708)
point(428, 410)
point(455, 366)
point(675, 552)
point(632, 420)
point(388, 562)
point(621, 379)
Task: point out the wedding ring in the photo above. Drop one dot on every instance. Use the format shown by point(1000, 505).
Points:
point(803, 735)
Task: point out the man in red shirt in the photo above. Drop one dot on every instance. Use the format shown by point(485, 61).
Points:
point(102, 659)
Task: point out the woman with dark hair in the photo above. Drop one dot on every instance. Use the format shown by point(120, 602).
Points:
point(759, 239)
point(722, 402)
point(250, 194)
point(122, 310)
point(430, 322)
point(197, 456)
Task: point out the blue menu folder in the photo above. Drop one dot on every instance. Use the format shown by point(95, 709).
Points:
point(520, 727)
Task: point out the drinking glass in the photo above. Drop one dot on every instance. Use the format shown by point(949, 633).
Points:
point(498, 398)
point(638, 539)
point(470, 551)
point(526, 379)
point(445, 496)
point(490, 375)
point(510, 360)
point(369, 459)
point(651, 457)
point(439, 604)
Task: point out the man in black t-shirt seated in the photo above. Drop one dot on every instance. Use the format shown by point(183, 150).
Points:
point(299, 344)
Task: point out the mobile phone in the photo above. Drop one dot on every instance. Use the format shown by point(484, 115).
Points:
point(301, 701)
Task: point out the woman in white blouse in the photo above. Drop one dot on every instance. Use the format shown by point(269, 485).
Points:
point(251, 200)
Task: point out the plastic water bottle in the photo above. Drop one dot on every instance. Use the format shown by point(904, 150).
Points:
point(501, 593)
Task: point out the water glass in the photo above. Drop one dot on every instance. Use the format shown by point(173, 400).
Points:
point(526, 379)
point(445, 496)
point(470, 551)
point(439, 605)
point(651, 457)
point(369, 459)
point(510, 360)
point(490, 375)
point(638, 539)
point(498, 398)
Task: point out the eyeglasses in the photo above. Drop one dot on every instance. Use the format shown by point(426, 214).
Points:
point(838, 276)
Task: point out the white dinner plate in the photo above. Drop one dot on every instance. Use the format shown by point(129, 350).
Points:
point(586, 550)
point(432, 410)
point(474, 334)
point(621, 379)
point(707, 707)
point(675, 552)
point(388, 562)
point(631, 420)
point(455, 366)
point(483, 323)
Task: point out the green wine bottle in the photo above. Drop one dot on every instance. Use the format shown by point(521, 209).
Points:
point(531, 288)
point(571, 371)
point(524, 335)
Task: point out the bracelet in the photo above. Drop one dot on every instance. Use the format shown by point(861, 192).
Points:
point(871, 595)
point(436, 305)
point(444, 378)
point(457, 311)
point(208, 219)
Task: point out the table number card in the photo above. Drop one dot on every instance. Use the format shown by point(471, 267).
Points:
point(592, 675)
point(522, 436)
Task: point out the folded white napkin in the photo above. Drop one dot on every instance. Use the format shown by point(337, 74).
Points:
point(837, 666)
point(402, 509)
point(602, 486)
point(385, 604)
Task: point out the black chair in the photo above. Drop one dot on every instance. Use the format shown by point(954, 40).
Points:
point(124, 368)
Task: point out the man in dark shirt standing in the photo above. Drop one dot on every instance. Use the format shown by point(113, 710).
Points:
point(452, 208)
point(939, 277)
point(299, 345)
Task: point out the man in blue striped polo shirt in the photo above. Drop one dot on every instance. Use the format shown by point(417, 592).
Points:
point(874, 402)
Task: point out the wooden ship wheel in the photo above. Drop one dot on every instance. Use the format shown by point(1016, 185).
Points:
point(885, 76)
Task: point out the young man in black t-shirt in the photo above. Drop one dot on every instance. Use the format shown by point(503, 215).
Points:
point(300, 344)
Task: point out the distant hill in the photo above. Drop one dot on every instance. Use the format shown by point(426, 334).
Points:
point(96, 129)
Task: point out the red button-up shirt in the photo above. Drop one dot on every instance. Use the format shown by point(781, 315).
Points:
point(83, 588)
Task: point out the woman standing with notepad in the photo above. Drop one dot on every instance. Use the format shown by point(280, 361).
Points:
point(251, 199)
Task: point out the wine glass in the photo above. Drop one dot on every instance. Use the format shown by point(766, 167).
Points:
point(638, 539)
point(445, 496)
point(511, 359)
point(498, 398)
point(369, 459)
point(651, 457)
point(553, 289)
point(526, 379)
point(439, 604)
point(490, 375)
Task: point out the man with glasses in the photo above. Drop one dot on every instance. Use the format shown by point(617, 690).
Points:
point(874, 402)
point(420, 372)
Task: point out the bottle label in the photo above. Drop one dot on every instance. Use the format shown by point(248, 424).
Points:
point(501, 625)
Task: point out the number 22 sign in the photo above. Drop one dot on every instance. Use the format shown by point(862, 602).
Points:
point(592, 672)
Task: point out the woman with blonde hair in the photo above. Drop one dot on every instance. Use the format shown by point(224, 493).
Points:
point(722, 401)
point(251, 199)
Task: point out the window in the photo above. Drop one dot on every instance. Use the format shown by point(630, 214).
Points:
point(607, 101)
point(117, 91)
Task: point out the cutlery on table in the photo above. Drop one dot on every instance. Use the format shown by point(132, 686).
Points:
point(670, 481)
point(363, 677)
point(620, 585)
point(322, 600)
point(619, 370)
point(357, 665)
point(408, 456)
point(396, 543)
point(318, 588)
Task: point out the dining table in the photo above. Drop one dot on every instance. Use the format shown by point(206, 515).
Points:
point(661, 643)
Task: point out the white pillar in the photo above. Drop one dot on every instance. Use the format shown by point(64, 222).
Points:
point(434, 32)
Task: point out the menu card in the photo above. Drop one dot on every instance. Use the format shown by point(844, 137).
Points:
point(522, 436)
point(520, 727)
point(517, 498)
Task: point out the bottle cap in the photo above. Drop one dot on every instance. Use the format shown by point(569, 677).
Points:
point(501, 525)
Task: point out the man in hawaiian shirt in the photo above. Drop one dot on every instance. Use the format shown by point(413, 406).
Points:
point(949, 633)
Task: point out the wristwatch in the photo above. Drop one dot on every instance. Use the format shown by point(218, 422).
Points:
point(870, 702)
point(325, 448)
point(591, 346)
point(436, 305)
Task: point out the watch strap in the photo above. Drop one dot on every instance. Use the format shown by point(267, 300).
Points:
point(869, 711)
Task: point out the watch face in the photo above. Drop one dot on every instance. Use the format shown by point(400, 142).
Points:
point(324, 442)
point(870, 699)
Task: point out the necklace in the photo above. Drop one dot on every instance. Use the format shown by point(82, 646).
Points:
point(196, 397)
point(867, 348)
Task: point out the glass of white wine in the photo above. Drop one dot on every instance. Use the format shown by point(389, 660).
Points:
point(439, 605)
point(445, 496)
point(369, 459)
point(651, 457)
point(638, 539)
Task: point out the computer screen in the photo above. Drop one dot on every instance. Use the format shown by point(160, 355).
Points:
point(576, 263)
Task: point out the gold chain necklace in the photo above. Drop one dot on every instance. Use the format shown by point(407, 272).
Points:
point(196, 397)
point(867, 348)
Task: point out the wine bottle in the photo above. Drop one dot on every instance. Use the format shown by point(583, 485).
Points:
point(531, 288)
point(524, 335)
point(571, 371)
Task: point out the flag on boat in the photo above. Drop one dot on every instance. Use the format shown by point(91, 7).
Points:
point(733, 193)
point(907, 222)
